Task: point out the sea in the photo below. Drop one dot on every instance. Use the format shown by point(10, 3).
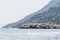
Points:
point(29, 34)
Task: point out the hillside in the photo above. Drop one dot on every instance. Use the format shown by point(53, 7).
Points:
point(49, 14)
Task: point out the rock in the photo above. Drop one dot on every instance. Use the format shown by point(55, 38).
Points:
point(40, 26)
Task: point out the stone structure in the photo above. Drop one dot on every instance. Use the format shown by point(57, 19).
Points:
point(40, 26)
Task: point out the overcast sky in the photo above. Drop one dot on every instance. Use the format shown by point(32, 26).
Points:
point(14, 10)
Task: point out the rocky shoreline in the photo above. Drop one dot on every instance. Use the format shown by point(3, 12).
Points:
point(40, 26)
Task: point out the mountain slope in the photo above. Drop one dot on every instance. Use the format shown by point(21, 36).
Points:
point(51, 16)
point(50, 13)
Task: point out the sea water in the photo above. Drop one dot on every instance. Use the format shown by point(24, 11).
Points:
point(29, 34)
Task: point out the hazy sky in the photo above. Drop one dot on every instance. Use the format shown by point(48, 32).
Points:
point(14, 10)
